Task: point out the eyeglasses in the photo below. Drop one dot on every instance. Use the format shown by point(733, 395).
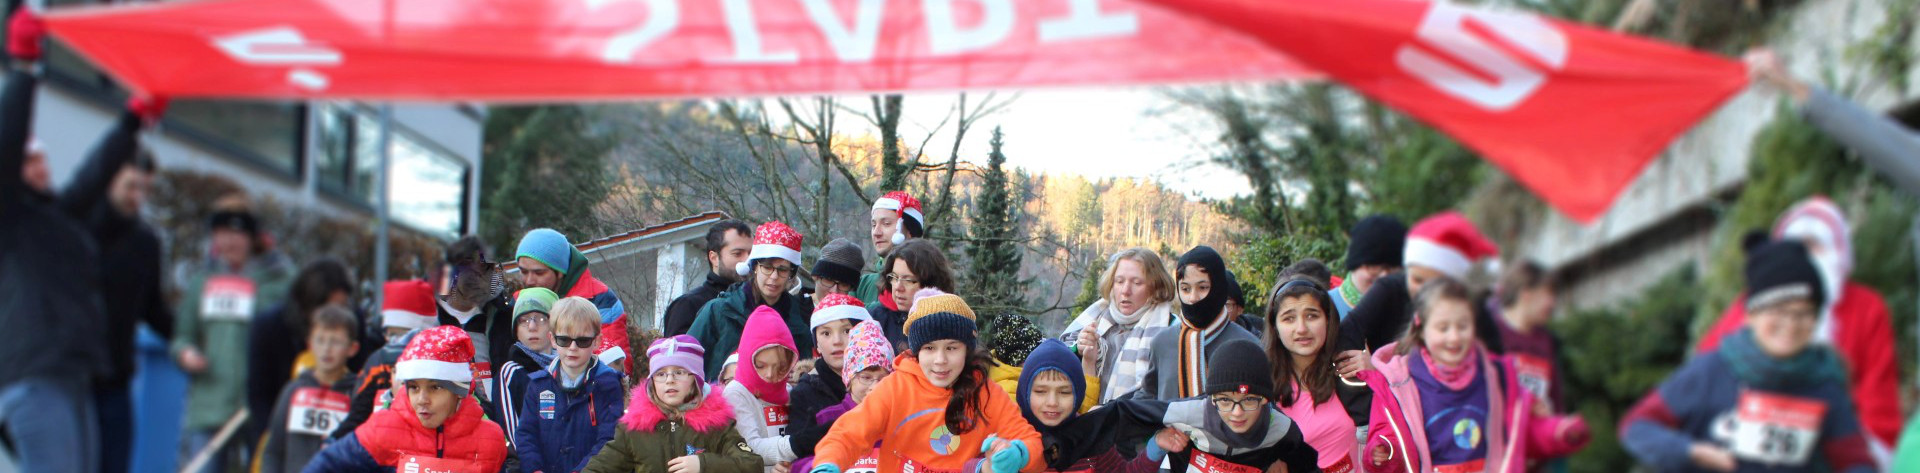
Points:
point(771, 270)
point(866, 380)
point(579, 342)
point(672, 374)
point(908, 280)
point(533, 320)
point(1248, 404)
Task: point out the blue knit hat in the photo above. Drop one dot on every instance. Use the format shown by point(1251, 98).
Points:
point(1051, 355)
point(941, 326)
point(547, 246)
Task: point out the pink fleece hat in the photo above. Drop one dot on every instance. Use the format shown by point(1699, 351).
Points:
point(680, 351)
point(765, 329)
point(867, 348)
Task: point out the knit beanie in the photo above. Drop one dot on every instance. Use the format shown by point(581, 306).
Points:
point(941, 326)
point(1011, 338)
point(1240, 366)
point(443, 353)
point(533, 299)
point(547, 246)
point(240, 221)
point(867, 347)
point(931, 301)
point(1377, 239)
point(1781, 271)
point(679, 351)
point(1050, 355)
point(839, 262)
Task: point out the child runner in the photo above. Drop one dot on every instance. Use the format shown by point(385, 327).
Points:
point(1181, 355)
point(569, 408)
point(832, 323)
point(315, 402)
point(674, 423)
point(532, 315)
point(1300, 350)
point(759, 397)
point(433, 425)
point(1234, 427)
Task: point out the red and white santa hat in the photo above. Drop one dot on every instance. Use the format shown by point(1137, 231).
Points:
point(441, 353)
point(836, 307)
point(408, 304)
point(772, 240)
point(1448, 243)
point(907, 207)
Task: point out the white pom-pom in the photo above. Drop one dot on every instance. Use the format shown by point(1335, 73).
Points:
point(899, 237)
point(743, 268)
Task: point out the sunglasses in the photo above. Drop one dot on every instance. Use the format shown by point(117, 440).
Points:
point(580, 342)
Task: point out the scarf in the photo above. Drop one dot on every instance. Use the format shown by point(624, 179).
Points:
point(1112, 314)
point(1350, 292)
point(1254, 438)
point(1125, 361)
point(1814, 365)
point(1201, 320)
point(1457, 377)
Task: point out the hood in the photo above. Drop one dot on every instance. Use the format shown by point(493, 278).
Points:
point(576, 269)
point(712, 413)
point(1051, 355)
point(540, 360)
point(915, 378)
point(765, 329)
point(1201, 315)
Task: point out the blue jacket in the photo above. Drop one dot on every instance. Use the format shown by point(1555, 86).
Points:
point(1698, 404)
point(559, 430)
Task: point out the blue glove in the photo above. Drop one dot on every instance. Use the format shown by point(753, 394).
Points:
point(825, 468)
point(1009, 460)
point(1154, 452)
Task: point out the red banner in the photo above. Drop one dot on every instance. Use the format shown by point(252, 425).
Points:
point(1574, 113)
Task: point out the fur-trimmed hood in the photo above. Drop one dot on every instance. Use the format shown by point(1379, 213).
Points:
point(712, 413)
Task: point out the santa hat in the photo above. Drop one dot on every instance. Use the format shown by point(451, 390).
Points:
point(837, 307)
point(1818, 220)
point(772, 240)
point(909, 211)
point(407, 304)
point(1448, 243)
point(441, 353)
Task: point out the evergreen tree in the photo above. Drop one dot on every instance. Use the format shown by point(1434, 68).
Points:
point(544, 167)
point(992, 248)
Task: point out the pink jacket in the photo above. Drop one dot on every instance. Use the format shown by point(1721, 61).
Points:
point(1397, 419)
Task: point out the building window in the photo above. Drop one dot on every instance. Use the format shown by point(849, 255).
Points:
point(428, 184)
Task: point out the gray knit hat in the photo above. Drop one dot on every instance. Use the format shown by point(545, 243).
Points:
point(840, 262)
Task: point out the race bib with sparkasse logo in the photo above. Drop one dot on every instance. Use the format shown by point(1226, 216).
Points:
point(1536, 375)
point(776, 417)
point(1777, 429)
point(866, 464)
point(316, 411)
point(1204, 463)
point(228, 298)
point(417, 463)
point(910, 466)
point(1345, 465)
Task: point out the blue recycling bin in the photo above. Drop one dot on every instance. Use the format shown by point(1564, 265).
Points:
point(159, 406)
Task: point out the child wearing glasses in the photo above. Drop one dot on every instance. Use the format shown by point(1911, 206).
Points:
point(1235, 427)
point(571, 408)
point(758, 392)
point(532, 326)
point(1455, 406)
point(674, 423)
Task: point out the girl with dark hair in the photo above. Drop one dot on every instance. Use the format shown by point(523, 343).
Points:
point(937, 412)
point(1299, 347)
point(912, 266)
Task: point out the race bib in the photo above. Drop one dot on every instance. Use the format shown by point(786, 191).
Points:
point(316, 411)
point(1345, 465)
point(776, 418)
point(416, 463)
point(483, 377)
point(1204, 463)
point(866, 464)
point(228, 298)
point(1536, 375)
point(1776, 429)
point(1475, 466)
point(910, 466)
point(546, 405)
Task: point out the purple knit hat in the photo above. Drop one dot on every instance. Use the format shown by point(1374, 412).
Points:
point(679, 351)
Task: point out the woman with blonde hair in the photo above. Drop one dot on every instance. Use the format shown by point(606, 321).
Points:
point(1136, 303)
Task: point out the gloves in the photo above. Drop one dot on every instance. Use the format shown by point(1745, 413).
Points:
point(148, 108)
point(825, 468)
point(25, 33)
point(1007, 460)
point(1575, 432)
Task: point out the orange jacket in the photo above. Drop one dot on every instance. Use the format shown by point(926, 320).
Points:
point(907, 416)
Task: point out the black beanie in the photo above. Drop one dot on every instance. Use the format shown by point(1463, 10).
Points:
point(1780, 271)
point(840, 262)
point(233, 220)
point(1377, 239)
point(941, 326)
point(1240, 366)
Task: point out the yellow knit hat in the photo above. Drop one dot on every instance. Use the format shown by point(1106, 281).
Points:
point(932, 301)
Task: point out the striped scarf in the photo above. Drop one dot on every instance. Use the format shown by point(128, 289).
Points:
point(1193, 355)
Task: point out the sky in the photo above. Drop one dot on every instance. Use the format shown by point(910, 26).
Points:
point(1096, 132)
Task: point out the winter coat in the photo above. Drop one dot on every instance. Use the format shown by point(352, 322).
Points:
point(215, 394)
point(1701, 402)
point(1008, 378)
point(130, 251)
point(1863, 336)
point(512, 388)
point(579, 282)
point(393, 437)
point(906, 414)
point(647, 439)
point(490, 326)
point(893, 324)
point(681, 313)
point(1511, 437)
point(1125, 352)
point(296, 433)
point(821, 389)
point(721, 322)
point(870, 290)
point(1162, 380)
point(560, 429)
point(1282, 442)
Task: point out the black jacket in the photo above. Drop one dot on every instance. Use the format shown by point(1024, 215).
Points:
point(50, 284)
point(815, 391)
point(681, 312)
point(893, 324)
point(130, 253)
